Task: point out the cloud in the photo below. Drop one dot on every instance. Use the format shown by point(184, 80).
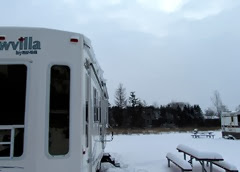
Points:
point(199, 15)
point(100, 4)
point(72, 2)
point(155, 17)
point(132, 19)
point(198, 10)
point(167, 6)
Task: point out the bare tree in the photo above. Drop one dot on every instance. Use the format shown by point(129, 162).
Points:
point(120, 96)
point(155, 104)
point(144, 103)
point(238, 108)
point(210, 113)
point(217, 102)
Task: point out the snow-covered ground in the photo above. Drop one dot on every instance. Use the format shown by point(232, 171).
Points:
point(147, 153)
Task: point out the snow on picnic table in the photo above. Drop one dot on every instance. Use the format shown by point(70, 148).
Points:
point(147, 153)
point(198, 154)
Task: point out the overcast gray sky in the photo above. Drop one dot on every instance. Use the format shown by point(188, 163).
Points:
point(164, 50)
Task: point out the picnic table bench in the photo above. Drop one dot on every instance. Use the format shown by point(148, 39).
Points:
point(226, 166)
point(183, 165)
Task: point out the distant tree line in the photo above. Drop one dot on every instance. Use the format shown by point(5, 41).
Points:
point(131, 112)
point(176, 114)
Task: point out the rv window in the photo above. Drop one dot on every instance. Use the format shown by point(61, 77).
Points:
point(86, 108)
point(12, 107)
point(95, 102)
point(238, 120)
point(100, 111)
point(59, 110)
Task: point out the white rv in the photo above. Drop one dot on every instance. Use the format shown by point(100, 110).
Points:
point(53, 102)
point(230, 122)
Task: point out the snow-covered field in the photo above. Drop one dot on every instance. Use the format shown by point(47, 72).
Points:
point(147, 153)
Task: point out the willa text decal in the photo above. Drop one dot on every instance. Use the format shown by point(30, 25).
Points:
point(24, 45)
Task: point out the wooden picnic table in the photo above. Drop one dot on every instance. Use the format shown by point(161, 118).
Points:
point(202, 157)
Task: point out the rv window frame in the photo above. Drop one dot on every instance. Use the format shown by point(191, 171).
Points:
point(27, 63)
point(87, 109)
point(48, 154)
point(238, 117)
point(95, 105)
point(232, 119)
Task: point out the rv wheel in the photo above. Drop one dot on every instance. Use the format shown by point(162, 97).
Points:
point(231, 137)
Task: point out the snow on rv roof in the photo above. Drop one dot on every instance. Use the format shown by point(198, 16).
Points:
point(233, 113)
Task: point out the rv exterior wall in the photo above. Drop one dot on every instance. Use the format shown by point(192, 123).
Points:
point(230, 124)
point(41, 50)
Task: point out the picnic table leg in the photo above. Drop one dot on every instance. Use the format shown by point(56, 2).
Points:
point(168, 162)
point(184, 156)
point(190, 161)
point(210, 166)
point(203, 166)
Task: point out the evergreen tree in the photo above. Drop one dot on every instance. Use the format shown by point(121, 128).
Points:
point(133, 101)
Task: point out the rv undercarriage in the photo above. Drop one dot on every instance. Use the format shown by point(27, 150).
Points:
point(107, 158)
point(231, 135)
